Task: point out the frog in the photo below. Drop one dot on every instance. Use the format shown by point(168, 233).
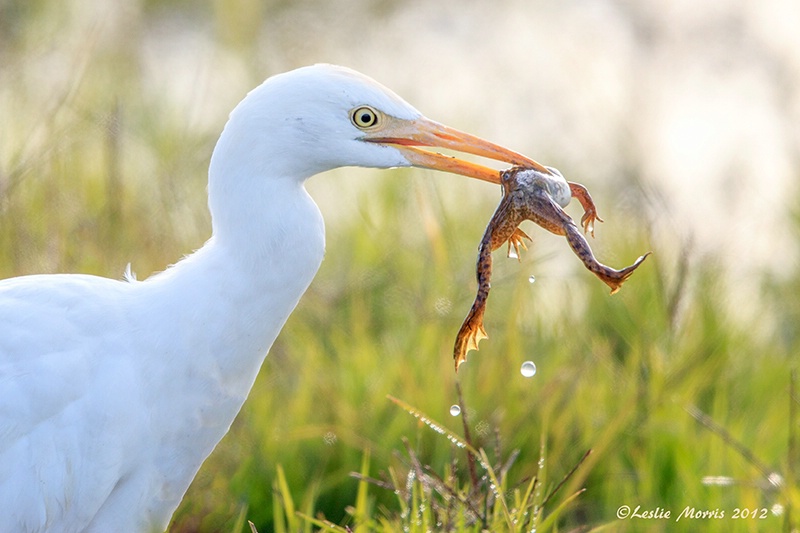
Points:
point(530, 194)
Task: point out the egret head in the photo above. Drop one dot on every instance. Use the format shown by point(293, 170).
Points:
point(321, 117)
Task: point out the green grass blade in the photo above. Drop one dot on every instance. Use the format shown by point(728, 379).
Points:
point(240, 520)
point(436, 426)
point(324, 525)
point(362, 496)
point(526, 502)
point(497, 488)
point(551, 518)
point(278, 516)
point(286, 504)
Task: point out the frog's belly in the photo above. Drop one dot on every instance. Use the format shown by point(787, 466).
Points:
point(555, 184)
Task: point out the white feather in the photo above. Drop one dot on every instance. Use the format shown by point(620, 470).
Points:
point(112, 393)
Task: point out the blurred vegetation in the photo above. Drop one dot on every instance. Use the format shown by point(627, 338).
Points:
point(682, 404)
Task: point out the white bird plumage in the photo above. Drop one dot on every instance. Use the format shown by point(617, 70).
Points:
point(113, 393)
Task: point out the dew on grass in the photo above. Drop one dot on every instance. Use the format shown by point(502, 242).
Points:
point(455, 410)
point(528, 369)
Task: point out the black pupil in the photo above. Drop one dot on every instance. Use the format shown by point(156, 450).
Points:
point(366, 118)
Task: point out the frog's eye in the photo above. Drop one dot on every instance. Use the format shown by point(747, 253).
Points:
point(364, 117)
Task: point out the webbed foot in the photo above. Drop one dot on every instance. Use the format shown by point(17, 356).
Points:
point(615, 278)
point(470, 334)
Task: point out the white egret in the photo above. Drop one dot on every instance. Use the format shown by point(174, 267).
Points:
point(112, 393)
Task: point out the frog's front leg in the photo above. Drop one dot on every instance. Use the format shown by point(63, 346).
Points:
point(503, 227)
point(516, 241)
point(581, 193)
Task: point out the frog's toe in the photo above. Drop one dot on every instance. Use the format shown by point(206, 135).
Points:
point(470, 334)
point(517, 241)
point(588, 219)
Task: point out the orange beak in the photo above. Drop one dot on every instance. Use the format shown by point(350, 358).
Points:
point(409, 135)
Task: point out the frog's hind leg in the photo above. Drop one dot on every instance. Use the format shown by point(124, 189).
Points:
point(611, 277)
point(545, 212)
point(472, 330)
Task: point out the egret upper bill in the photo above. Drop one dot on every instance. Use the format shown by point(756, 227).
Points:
point(113, 393)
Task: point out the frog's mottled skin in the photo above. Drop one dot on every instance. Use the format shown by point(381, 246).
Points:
point(532, 195)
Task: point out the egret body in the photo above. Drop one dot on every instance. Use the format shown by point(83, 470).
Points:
point(113, 393)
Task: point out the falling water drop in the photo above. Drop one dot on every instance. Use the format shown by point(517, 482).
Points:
point(528, 369)
point(455, 410)
point(531, 279)
point(512, 254)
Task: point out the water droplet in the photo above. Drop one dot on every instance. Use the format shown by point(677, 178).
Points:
point(528, 369)
point(512, 254)
point(455, 410)
point(531, 279)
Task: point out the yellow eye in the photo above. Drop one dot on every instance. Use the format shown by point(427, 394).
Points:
point(364, 117)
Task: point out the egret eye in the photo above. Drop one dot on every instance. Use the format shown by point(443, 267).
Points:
point(364, 117)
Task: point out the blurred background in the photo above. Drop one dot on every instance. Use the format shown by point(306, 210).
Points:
point(681, 117)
